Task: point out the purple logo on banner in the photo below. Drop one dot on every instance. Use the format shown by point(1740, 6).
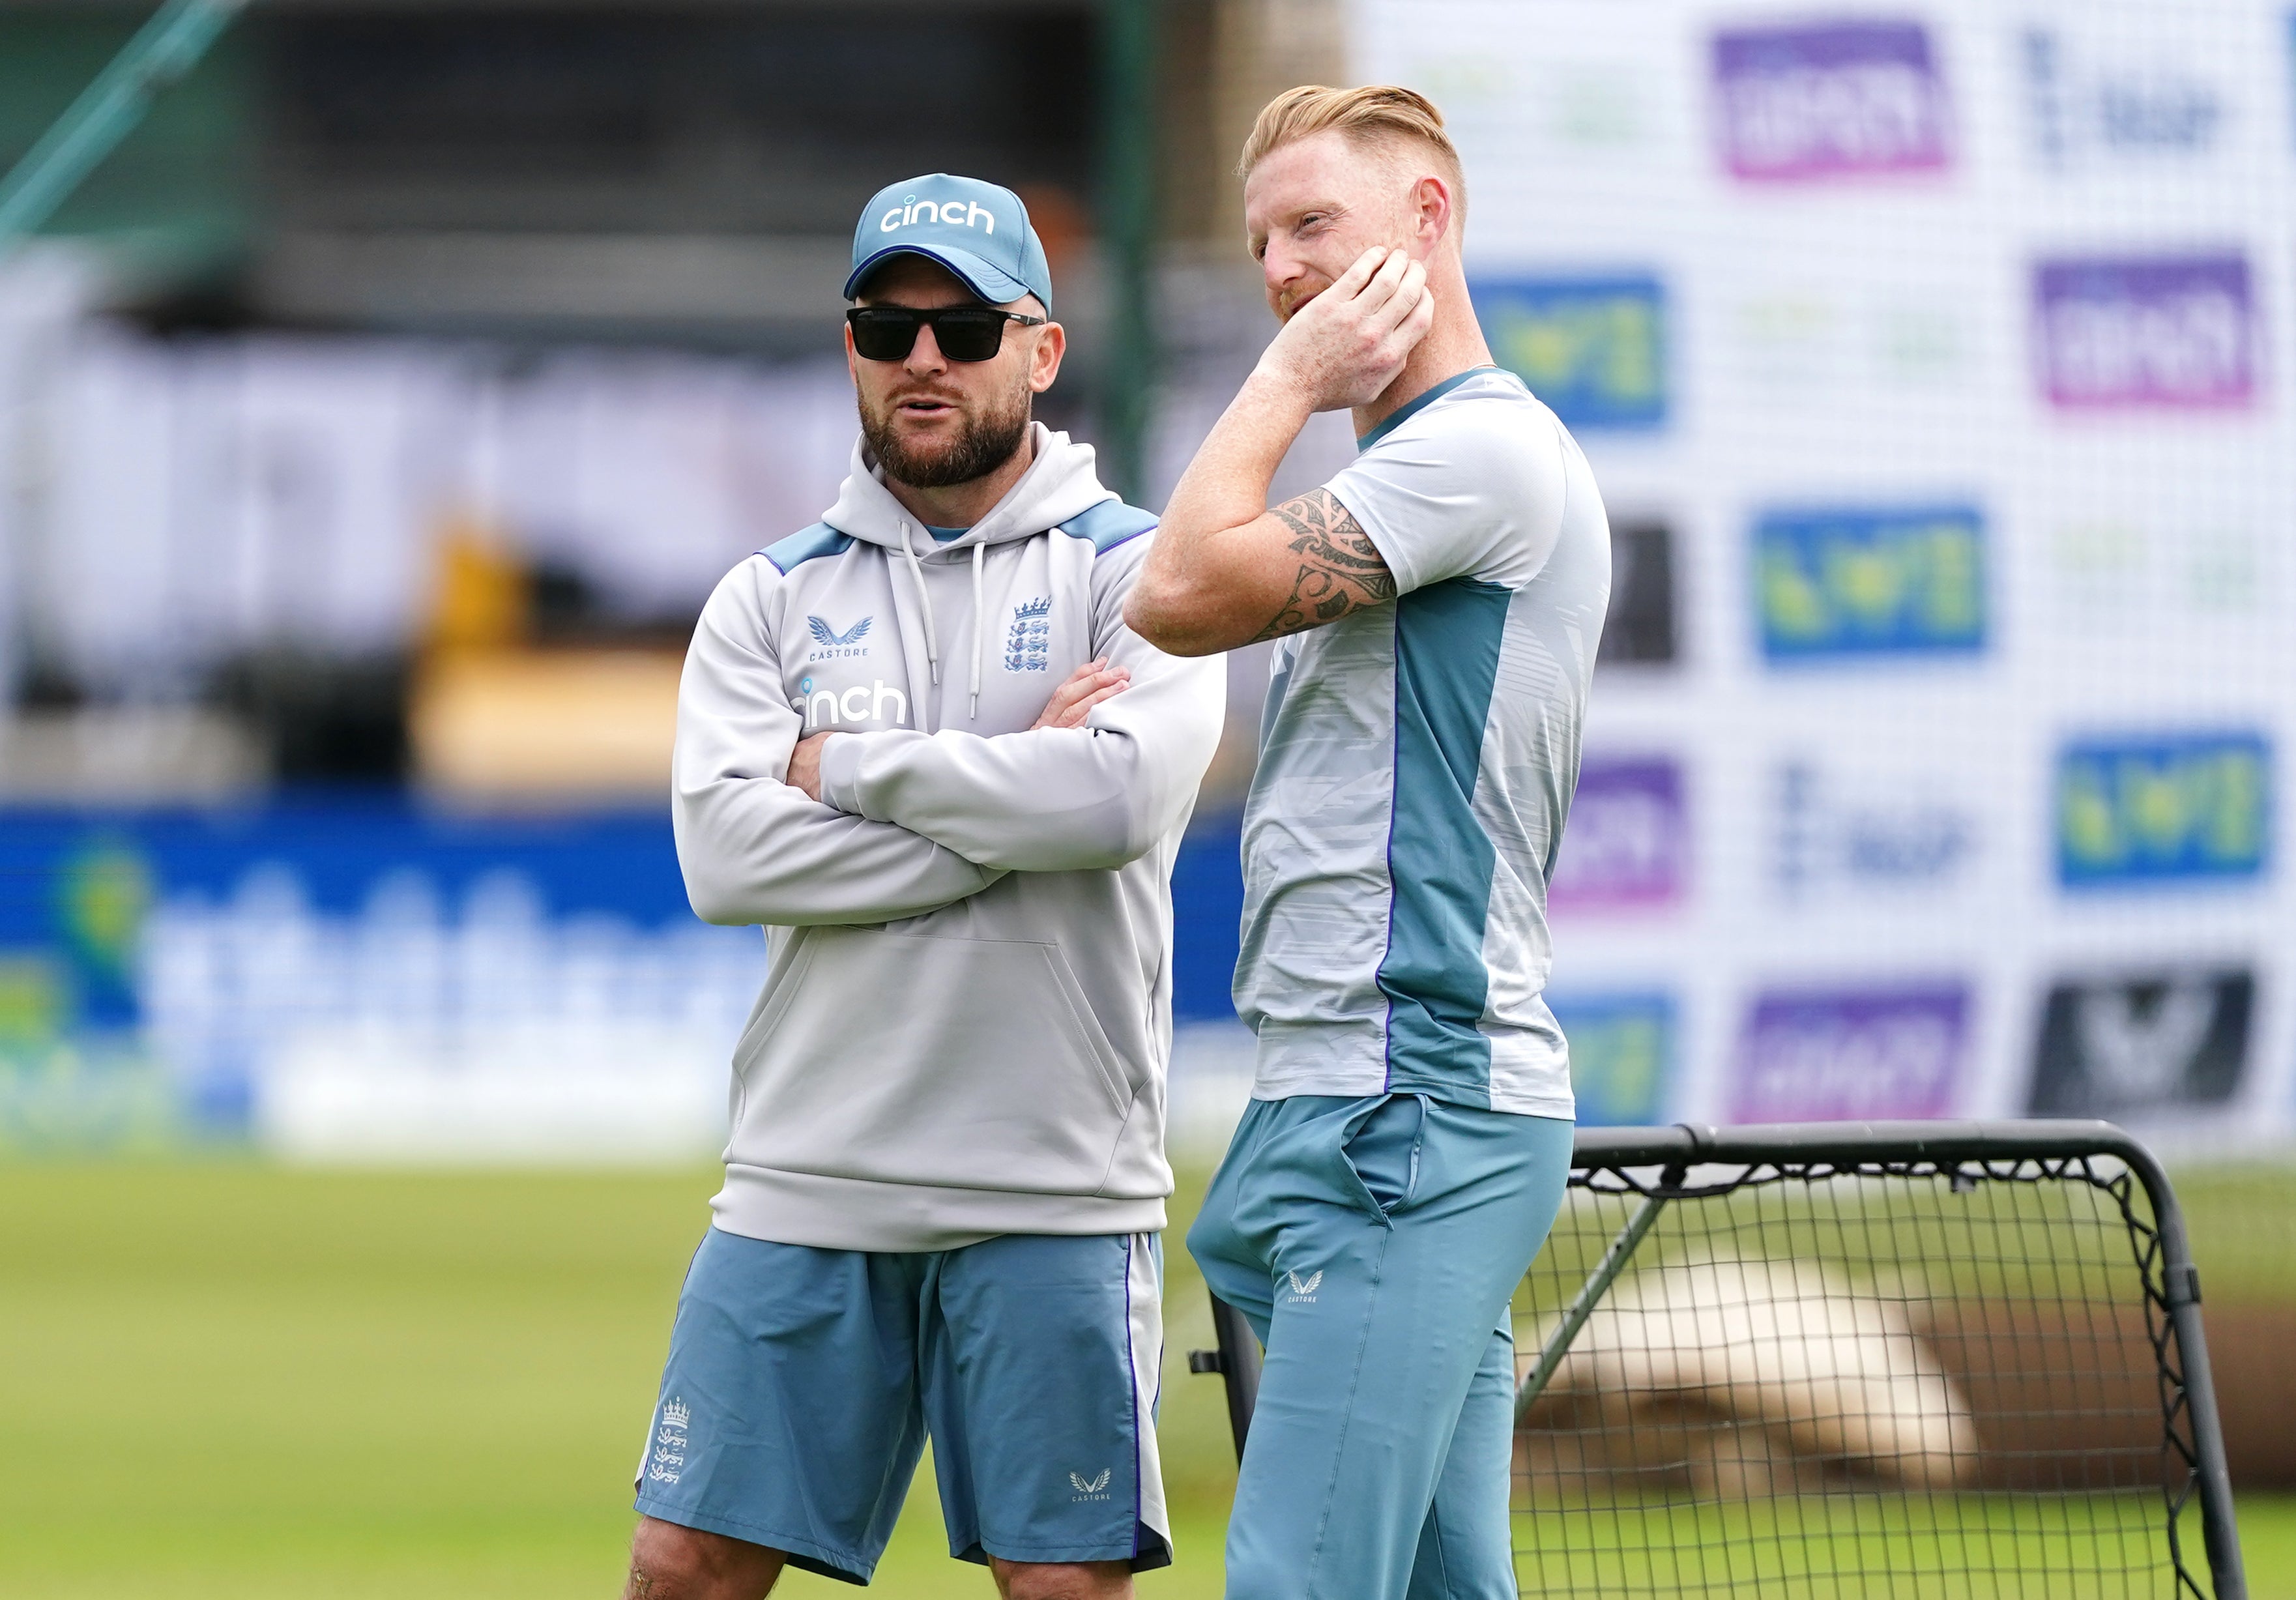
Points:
point(2175, 331)
point(1829, 100)
point(1625, 846)
point(1849, 1054)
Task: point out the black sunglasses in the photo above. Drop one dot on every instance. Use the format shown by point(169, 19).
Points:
point(963, 333)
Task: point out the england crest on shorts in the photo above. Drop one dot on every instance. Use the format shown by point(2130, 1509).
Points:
point(667, 1459)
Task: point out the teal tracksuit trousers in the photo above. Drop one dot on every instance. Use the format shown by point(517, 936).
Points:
point(1373, 1244)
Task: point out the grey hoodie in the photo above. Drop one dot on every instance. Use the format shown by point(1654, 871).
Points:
point(967, 1010)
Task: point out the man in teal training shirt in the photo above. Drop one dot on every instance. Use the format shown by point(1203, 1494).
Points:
point(1438, 605)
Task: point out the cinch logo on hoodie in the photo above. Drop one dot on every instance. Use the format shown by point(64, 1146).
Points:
point(863, 702)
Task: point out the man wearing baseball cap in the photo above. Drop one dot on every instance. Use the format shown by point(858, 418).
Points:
point(918, 745)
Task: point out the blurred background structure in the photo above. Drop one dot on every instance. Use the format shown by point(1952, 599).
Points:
point(375, 419)
point(374, 422)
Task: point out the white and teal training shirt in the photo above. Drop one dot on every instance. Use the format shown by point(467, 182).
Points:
point(1416, 761)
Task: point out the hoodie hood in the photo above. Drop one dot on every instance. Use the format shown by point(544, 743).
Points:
point(1060, 484)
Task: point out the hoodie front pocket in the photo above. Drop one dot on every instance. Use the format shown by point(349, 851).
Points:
point(960, 1062)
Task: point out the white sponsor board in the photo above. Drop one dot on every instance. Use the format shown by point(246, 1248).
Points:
point(1948, 349)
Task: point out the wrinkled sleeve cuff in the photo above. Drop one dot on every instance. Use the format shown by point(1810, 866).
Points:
point(840, 773)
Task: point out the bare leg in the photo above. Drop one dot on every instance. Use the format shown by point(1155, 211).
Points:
point(1062, 1580)
point(668, 1562)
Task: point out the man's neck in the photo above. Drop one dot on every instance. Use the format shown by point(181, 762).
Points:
point(961, 504)
point(1454, 344)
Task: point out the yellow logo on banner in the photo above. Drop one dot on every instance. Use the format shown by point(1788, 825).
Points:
point(1867, 581)
point(2194, 807)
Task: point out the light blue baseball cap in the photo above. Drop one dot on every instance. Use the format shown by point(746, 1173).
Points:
point(978, 231)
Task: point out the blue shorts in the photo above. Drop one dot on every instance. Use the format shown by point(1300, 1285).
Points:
point(1374, 1244)
point(802, 1384)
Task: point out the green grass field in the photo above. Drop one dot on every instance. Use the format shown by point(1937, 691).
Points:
point(232, 1380)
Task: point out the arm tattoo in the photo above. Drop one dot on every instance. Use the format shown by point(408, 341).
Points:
point(1340, 569)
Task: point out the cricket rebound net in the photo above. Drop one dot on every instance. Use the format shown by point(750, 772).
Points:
point(1862, 1359)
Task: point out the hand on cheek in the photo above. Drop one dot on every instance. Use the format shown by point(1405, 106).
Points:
point(1347, 345)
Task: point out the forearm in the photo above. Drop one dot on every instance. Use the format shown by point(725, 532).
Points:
point(755, 852)
point(753, 848)
point(1227, 484)
point(1189, 580)
point(1051, 800)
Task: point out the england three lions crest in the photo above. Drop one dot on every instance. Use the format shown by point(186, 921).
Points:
point(1029, 642)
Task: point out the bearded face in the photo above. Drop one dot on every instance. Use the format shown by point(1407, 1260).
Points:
point(990, 423)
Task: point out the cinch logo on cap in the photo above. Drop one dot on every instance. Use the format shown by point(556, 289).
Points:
point(978, 231)
point(955, 213)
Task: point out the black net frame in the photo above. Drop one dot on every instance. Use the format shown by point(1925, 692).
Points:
point(2083, 1203)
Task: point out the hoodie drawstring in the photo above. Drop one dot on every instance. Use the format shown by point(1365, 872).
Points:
point(932, 638)
point(979, 631)
point(924, 598)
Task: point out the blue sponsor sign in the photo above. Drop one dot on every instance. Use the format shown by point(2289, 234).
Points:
point(1622, 1053)
point(1593, 348)
point(1870, 582)
point(2116, 108)
point(1207, 917)
point(158, 966)
point(2182, 808)
point(151, 956)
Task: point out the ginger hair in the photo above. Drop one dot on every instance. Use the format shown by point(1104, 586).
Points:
point(1374, 115)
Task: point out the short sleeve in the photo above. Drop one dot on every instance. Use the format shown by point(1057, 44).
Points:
point(1471, 487)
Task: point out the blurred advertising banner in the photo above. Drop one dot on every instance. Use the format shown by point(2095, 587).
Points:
point(360, 978)
point(1935, 360)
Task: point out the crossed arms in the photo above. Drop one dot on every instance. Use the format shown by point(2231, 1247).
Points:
point(913, 821)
